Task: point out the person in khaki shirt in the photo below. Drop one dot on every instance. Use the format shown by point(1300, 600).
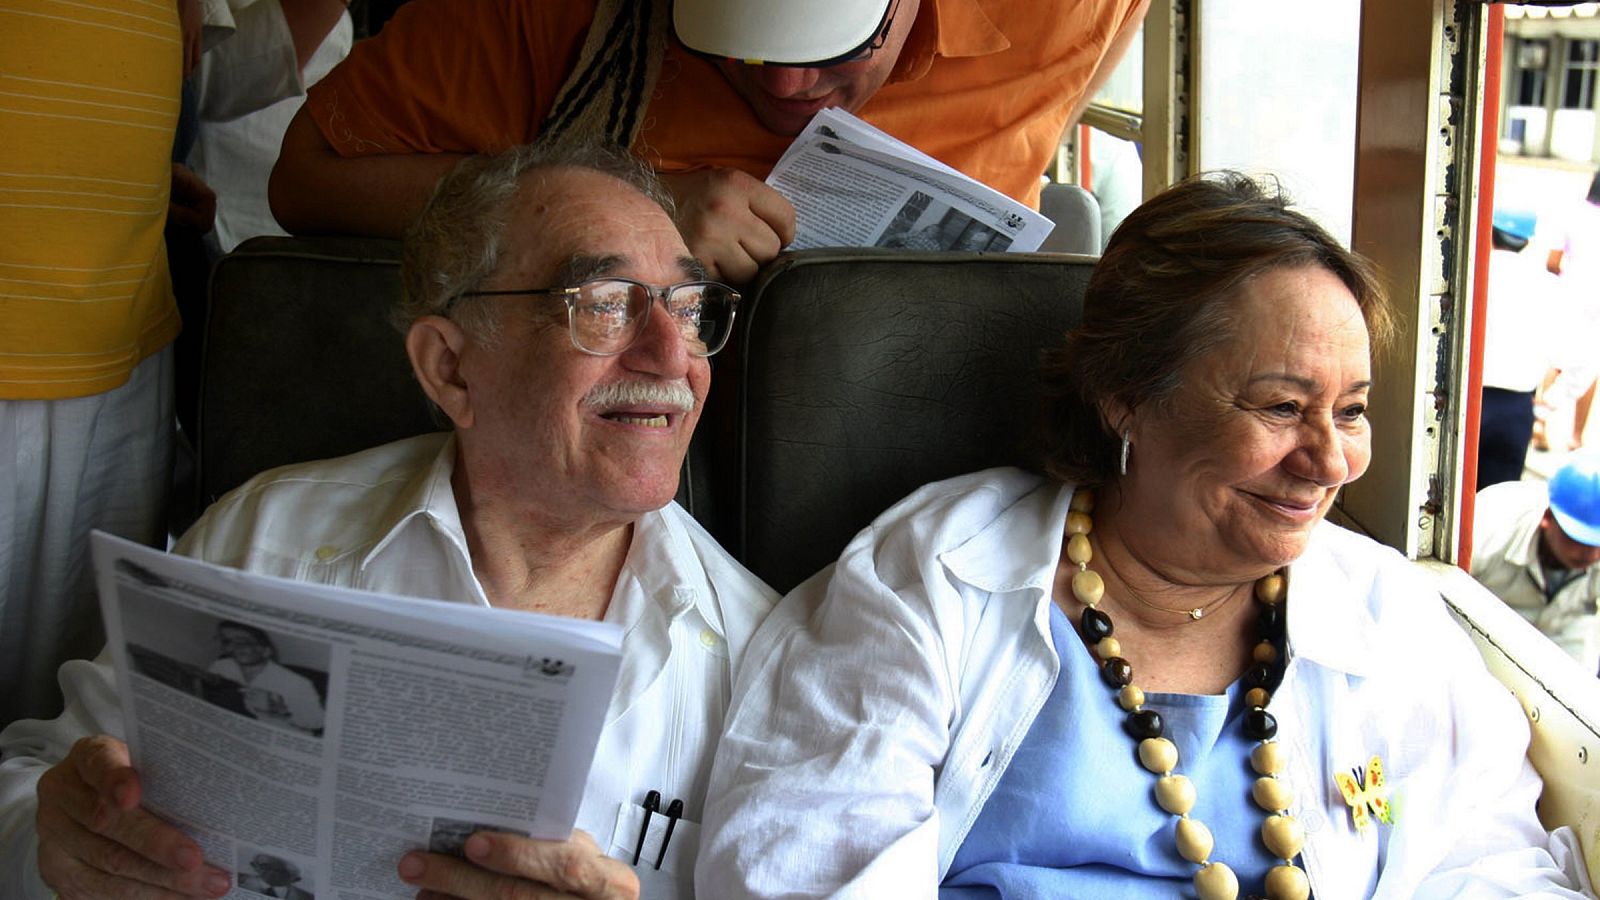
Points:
point(1537, 547)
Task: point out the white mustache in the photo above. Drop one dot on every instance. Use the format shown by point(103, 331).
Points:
point(621, 394)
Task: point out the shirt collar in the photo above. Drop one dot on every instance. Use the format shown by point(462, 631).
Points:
point(947, 28)
point(1330, 621)
point(1020, 548)
point(657, 569)
point(428, 495)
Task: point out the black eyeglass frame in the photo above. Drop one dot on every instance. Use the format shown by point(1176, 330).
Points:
point(657, 295)
point(861, 51)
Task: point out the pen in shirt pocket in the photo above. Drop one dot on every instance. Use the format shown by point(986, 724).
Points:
point(652, 808)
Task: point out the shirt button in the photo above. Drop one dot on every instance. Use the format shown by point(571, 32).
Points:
point(326, 552)
point(709, 639)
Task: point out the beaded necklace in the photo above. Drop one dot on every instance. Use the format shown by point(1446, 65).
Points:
point(1282, 835)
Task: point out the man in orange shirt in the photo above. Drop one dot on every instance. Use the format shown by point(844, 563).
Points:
point(710, 99)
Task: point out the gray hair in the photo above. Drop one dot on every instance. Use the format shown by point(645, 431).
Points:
point(457, 240)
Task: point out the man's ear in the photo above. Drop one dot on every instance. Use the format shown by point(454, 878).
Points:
point(435, 345)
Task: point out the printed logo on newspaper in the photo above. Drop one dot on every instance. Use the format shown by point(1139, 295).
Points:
point(546, 667)
point(1012, 222)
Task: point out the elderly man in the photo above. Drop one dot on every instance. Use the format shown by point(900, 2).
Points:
point(711, 100)
point(1537, 547)
point(556, 318)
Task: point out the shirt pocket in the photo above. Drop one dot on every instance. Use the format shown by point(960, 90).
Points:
point(677, 864)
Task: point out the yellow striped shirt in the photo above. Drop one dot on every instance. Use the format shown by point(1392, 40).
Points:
point(89, 96)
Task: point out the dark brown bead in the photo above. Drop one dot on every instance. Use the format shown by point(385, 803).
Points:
point(1146, 723)
point(1270, 620)
point(1261, 675)
point(1259, 725)
point(1096, 625)
point(1116, 672)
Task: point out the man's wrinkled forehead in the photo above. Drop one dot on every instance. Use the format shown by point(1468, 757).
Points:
point(581, 267)
point(571, 218)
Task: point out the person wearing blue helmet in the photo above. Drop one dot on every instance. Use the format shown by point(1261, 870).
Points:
point(1537, 547)
point(1517, 350)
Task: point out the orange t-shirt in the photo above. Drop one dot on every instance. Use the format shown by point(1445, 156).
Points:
point(983, 85)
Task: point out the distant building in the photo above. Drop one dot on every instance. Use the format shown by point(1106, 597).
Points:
point(1548, 93)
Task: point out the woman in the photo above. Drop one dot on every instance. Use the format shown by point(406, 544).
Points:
point(1012, 686)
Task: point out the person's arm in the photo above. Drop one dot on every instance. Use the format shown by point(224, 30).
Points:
point(314, 190)
point(310, 21)
point(823, 784)
point(1466, 824)
point(1108, 63)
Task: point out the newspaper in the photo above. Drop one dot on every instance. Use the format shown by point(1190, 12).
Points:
point(853, 185)
point(376, 725)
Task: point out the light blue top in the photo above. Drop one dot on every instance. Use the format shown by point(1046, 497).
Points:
point(1075, 813)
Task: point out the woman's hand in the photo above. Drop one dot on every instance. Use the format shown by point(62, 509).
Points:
point(95, 841)
point(503, 866)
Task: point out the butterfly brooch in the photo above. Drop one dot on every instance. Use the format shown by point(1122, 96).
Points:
point(1363, 788)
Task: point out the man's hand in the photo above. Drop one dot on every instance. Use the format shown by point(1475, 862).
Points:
point(95, 841)
point(511, 867)
point(732, 221)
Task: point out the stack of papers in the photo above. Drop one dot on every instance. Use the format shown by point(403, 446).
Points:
point(853, 185)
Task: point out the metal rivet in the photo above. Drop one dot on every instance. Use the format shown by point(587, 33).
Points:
point(1533, 713)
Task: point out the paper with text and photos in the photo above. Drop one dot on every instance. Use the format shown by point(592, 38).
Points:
point(321, 731)
point(852, 185)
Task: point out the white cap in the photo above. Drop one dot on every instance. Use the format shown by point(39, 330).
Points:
point(793, 32)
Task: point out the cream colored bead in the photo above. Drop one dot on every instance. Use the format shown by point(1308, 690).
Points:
point(1130, 697)
point(1216, 882)
point(1271, 794)
point(1158, 755)
point(1079, 550)
point(1265, 652)
point(1078, 523)
point(1088, 587)
point(1267, 759)
point(1108, 647)
point(1257, 696)
point(1287, 883)
point(1283, 836)
point(1270, 589)
point(1082, 500)
point(1194, 840)
point(1175, 794)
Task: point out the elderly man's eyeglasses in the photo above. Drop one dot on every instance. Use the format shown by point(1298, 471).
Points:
point(606, 315)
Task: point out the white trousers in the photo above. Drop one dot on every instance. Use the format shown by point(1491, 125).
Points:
point(66, 467)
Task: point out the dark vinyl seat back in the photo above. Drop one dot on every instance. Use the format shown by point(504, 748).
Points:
point(301, 362)
point(866, 374)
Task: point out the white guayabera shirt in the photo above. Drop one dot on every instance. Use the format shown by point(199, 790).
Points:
point(386, 520)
